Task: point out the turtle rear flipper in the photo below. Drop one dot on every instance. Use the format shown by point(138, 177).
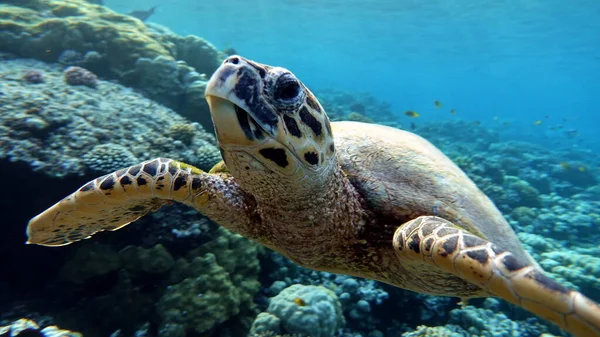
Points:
point(113, 201)
point(434, 241)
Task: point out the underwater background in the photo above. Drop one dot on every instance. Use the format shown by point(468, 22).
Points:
point(509, 90)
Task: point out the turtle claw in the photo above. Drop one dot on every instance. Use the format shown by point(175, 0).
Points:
point(434, 241)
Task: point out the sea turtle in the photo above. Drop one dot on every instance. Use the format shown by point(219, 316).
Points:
point(345, 197)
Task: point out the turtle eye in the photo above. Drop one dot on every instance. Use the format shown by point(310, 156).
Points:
point(286, 87)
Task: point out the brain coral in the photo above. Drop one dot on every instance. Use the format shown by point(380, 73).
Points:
point(306, 310)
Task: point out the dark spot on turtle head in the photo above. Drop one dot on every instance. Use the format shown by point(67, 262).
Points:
point(311, 157)
point(141, 181)
point(292, 126)
point(87, 187)
point(480, 255)
point(310, 120)
point(173, 169)
point(414, 242)
point(125, 181)
point(134, 170)
point(331, 147)
point(151, 167)
point(428, 244)
point(547, 282)
point(242, 117)
point(163, 168)
point(108, 183)
point(450, 244)
point(257, 132)
point(471, 241)
point(261, 70)
point(196, 183)
point(180, 182)
point(277, 156)
point(246, 86)
point(312, 102)
point(512, 263)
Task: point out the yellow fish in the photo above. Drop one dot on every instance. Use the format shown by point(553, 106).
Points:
point(299, 302)
point(411, 113)
point(564, 165)
point(582, 169)
point(538, 122)
point(438, 104)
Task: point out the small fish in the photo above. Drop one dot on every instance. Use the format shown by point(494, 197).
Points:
point(452, 111)
point(412, 114)
point(565, 166)
point(571, 133)
point(547, 116)
point(505, 123)
point(437, 104)
point(582, 169)
point(538, 122)
point(299, 302)
point(413, 126)
point(143, 15)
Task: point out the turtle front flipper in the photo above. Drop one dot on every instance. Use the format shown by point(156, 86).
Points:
point(434, 241)
point(113, 201)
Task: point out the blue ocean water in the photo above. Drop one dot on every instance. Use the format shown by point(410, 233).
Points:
point(526, 70)
point(518, 60)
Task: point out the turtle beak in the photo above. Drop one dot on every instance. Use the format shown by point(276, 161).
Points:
point(227, 119)
point(240, 82)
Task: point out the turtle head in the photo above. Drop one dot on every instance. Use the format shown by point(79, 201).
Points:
point(269, 125)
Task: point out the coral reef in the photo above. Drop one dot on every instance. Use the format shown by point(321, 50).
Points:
point(304, 310)
point(362, 107)
point(79, 76)
point(213, 283)
point(62, 130)
point(195, 290)
point(113, 46)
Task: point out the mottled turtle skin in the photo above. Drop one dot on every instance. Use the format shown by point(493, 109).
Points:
point(345, 197)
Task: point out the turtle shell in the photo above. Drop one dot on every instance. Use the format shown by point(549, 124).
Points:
point(402, 176)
